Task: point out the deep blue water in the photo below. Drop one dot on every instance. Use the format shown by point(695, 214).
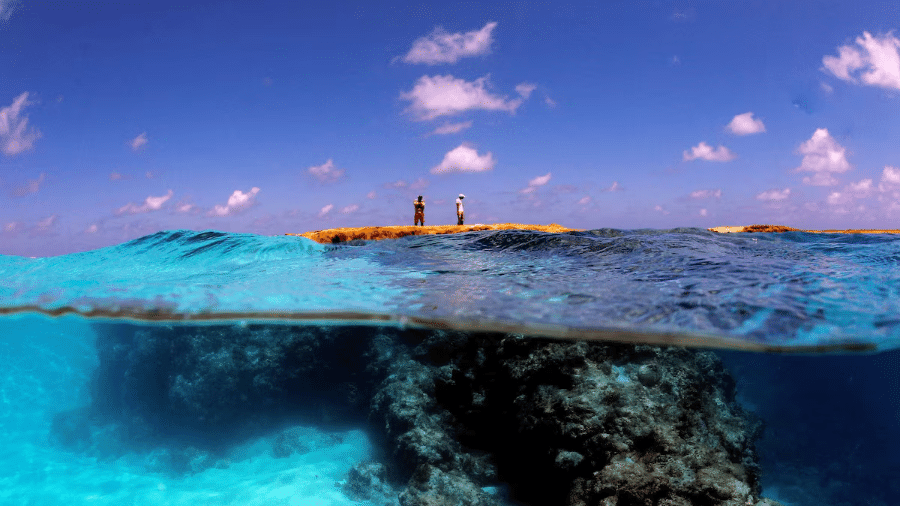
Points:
point(831, 405)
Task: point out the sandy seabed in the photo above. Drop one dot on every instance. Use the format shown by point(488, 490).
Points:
point(337, 235)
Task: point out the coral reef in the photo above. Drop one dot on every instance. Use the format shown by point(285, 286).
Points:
point(469, 419)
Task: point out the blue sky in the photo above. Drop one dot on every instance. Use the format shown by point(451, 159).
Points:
point(272, 117)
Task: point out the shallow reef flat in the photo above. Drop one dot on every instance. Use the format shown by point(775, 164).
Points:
point(783, 228)
point(337, 235)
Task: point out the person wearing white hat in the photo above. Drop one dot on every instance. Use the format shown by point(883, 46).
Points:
point(460, 215)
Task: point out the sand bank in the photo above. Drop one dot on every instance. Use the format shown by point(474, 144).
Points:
point(782, 228)
point(336, 235)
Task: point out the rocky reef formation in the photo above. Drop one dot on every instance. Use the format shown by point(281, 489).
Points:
point(460, 418)
point(338, 235)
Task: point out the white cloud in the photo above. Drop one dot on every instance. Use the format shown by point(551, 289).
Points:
point(419, 184)
point(614, 187)
point(92, 229)
point(326, 172)
point(349, 209)
point(46, 223)
point(372, 195)
point(705, 152)
point(823, 156)
point(436, 96)
point(525, 89)
point(325, 210)
point(6, 9)
point(115, 176)
point(464, 159)
point(703, 212)
point(862, 188)
point(32, 187)
point(452, 128)
point(443, 47)
point(150, 204)
point(11, 226)
point(875, 61)
point(837, 198)
point(238, 201)
point(185, 208)
point(746, 124)
point(827, 88)
point(534, 183)
point(774, 195)
point(15, 136)
point(706, 194)
point(584, 200)
point(550, 102)
point(890, 178)
point(540, 180)
point(138, 142)
point(660, 209)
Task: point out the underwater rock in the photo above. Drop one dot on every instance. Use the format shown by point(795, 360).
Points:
point(460, 418)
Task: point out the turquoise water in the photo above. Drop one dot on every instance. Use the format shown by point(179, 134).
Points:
point(832, 405)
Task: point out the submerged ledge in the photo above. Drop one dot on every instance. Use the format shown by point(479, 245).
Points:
point(782, 228)
point(337, 235)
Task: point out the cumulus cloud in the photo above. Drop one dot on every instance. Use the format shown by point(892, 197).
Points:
point(237, 202)
point(746, 124)
point(325, 210)
point(6, 9)
point(823, 156)
point(138, 142)
point(443, 47)
point(327, 173)
point(150, 204)
point(11, 227)
point(525, 89)
point(464, 159)
point(372, 195)
point(704, 152)
point(46, 223)
point(115, 176)
point(890, 178)
point(774, 195)
point(91, 229)
point(660, 209)
point(184, 208)
point(15, 136)
point(436, 96)
point(706, 194)
point(584, 200)
point(419, 184)
point(873, 61)
point(350, 209)
point(32, 187)
point(452, 128)
point(614, 187)
point(703, 212)
point(536, 182)
point(862, 188)
point(550, 102)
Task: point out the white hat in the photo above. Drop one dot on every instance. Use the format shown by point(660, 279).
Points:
point(462, 196)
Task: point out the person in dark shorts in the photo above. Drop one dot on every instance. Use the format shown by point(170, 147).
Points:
point(460, 214)
point(419, 217)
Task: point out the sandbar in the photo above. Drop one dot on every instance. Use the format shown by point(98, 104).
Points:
point(783, 228)
point(339, 235)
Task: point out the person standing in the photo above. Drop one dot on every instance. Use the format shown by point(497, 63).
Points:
point(419, 217)
point(460, 212)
